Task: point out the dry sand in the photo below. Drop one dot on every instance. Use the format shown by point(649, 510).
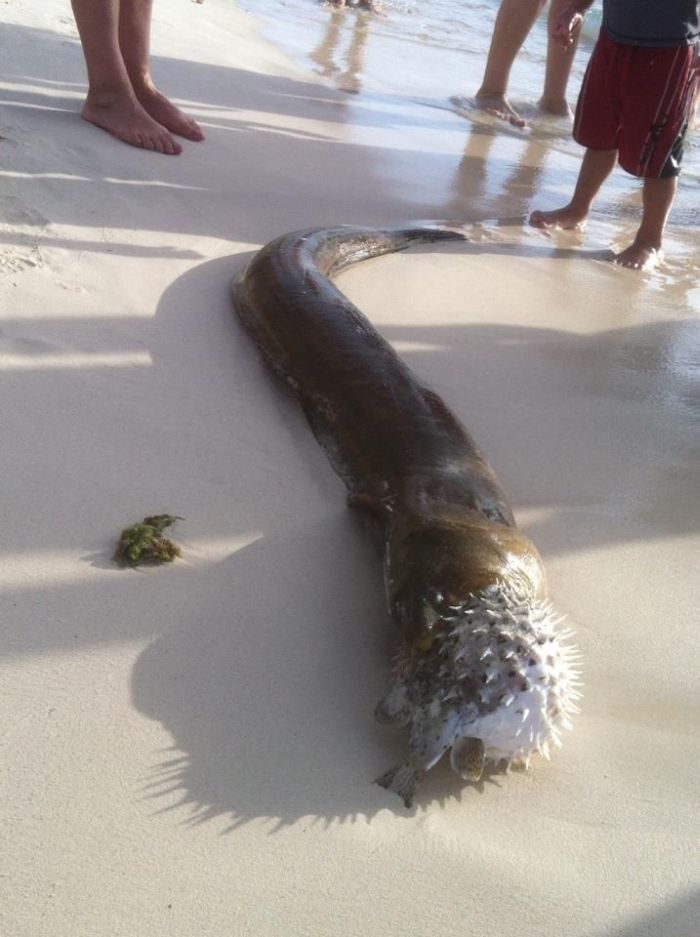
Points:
point(190, 750)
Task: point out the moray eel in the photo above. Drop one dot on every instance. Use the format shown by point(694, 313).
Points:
point(482, 671)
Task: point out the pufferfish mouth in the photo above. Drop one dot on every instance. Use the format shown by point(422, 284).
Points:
point(497, 683)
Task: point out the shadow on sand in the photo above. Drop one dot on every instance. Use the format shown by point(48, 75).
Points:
point(268, 677)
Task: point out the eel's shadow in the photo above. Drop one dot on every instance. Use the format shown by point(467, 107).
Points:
point(269, 692)
point(274, 660)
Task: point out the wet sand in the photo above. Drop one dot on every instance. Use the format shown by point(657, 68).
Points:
point(191, 749)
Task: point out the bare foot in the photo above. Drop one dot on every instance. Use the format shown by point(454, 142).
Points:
point(497, 106)
point(125, 119)
point(567, 218)
point(639, 257)
point(165, 112)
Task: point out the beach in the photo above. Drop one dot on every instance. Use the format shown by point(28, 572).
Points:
point(191, 749)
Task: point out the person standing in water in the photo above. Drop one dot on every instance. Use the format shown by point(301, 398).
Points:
point(635, 104)
point(121, 98)
point(514, 21)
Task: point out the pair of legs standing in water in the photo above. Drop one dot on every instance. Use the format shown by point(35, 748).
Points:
point(122, 99)
point(514, 21)
point(635, 106)
point(657, 198)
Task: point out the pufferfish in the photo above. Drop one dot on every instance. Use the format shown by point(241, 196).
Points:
point(482, 670)
point(495, 683)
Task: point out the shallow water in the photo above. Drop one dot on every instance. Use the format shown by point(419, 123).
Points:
point(410, 64)
point(424, 47)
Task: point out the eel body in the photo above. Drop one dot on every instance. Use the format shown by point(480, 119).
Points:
point(481, 671)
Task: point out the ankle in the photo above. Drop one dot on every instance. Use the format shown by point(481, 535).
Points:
point(648, 241)
point(578, 209)
point(142, 83)
point(109, 96)
point(556, 105)
point(486, 91)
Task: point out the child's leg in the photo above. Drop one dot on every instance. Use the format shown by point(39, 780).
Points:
point(659, 96)
point(514, 21)
point(595, 169)
point(559, 62)
point(645, 250)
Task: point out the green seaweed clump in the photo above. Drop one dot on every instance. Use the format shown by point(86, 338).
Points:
point(144, 544)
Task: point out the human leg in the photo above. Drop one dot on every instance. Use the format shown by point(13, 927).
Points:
point(514, 21)
point(595, 169)
point(659, 98)
point(558, 68)
point(111, 102)
point(645, 250)
point(134, 44)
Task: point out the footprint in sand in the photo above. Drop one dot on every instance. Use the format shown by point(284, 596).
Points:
point(14, 260)
point(17, 345)
point(13, 211)
point(20, 222)
point(17, 259)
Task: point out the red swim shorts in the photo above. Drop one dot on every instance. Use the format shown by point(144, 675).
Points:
point(638, 101)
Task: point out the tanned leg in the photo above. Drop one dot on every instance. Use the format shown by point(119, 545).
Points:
point(514, 21)
point(595, 169)
point(559, 62)
point(134, 43)
point(645, 251)
point(111, 101)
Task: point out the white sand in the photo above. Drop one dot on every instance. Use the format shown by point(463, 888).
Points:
point(190, 750)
